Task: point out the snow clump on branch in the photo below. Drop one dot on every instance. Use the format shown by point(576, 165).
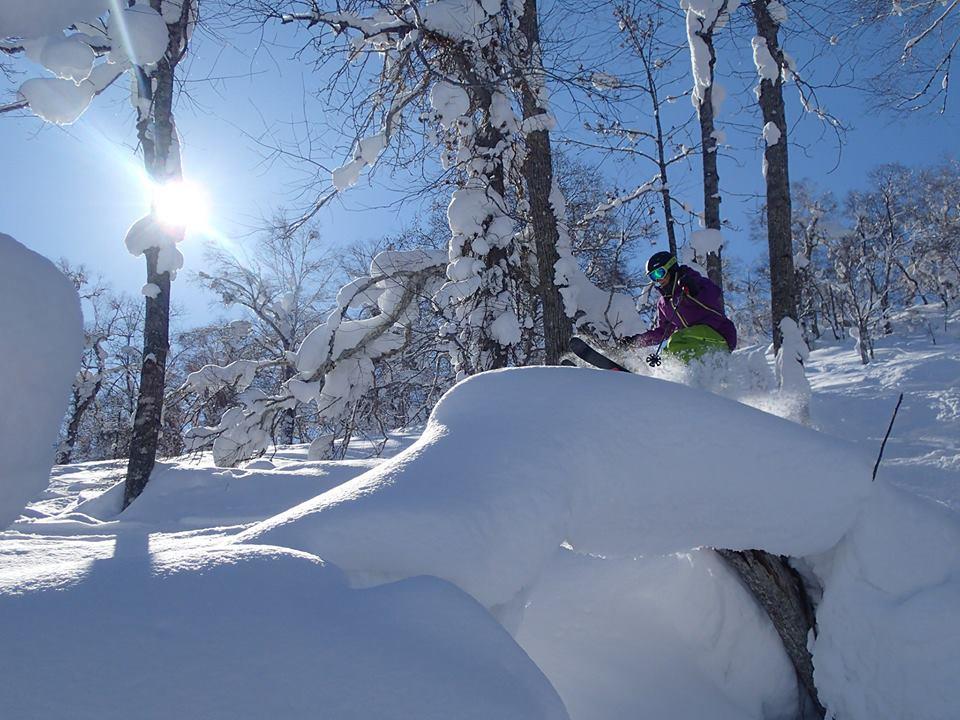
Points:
point(335, 363)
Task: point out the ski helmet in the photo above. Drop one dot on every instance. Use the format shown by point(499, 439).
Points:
point(660, 264)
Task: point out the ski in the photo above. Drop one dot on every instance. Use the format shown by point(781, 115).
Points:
point(588, 354)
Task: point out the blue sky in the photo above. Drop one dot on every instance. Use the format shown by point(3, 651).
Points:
point(72, 192)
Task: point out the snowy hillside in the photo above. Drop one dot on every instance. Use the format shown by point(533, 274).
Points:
point(538, 552)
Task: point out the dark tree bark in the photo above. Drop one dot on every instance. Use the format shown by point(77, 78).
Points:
point(156, 345)
point(161, 158)
point(288, 418)
point(538, 178)
point(708, 143)
point(783, 295)
point(81, 403)
point(780, 591)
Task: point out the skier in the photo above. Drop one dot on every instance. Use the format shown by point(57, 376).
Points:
point(690, 313)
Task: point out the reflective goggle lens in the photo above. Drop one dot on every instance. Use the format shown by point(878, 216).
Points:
point(657, 273)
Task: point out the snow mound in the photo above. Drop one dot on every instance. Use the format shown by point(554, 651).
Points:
point(613, 472)
point(674, 637)
point(889, 643)
point(41, 333)
point(129, 626)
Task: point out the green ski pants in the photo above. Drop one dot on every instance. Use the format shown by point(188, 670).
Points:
point(695, 341)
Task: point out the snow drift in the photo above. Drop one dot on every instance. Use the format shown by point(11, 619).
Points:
point(475, 502)
point(41, 337)
point(109, 628)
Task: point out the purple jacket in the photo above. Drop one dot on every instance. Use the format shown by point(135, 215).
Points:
point(690, 299)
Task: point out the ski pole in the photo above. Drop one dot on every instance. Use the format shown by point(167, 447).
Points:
point(653, 359)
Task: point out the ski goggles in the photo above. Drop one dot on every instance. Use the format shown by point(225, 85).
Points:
point(659, 273)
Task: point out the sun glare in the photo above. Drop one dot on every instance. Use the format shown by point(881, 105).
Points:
point(181, 204)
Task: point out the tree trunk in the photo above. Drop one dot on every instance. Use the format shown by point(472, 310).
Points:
point(708, 143)
point(80, 407)
point(288, 418)
point(538, 177)
point(780, 591)
point(161, 159)
point(156, 344)
point(783, 297)
point(711, 176)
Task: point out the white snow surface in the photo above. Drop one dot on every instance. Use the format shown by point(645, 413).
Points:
point(766, 66)
point(449, 101)
point(56, 100)
point(183, 628)
point(771, 133)
point(41, 336)
point(489, 522)
point(625, 619)
point(148, 232)
point(706, 241)
point(139, 34)
point(68, 57)
point(39, 18)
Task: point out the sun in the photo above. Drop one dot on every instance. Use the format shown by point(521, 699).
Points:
point(181, 204)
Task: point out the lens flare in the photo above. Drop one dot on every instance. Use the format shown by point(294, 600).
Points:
point(181, 204)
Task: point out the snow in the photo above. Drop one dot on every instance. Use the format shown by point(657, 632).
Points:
point(701, 17)
point(766, 66)
point(139, 34)
point(488, 522)
point(38, 19)
point(457, 19)
point(69, 58)
point(131, 626)
point(347, 175)
point(777, 11)
point(891, 602)
point(148, 232)
point(41, 332)
point(706, 241)
point(150, 290)
point(372, 588)
point(771, 133)
point(672, 636)
point(365, 154)
point(449, 101)
point(212, 378)
point(55, 100)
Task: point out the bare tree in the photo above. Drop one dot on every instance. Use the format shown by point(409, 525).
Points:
point(644, 35)
point(911, 47)
point(285, 287)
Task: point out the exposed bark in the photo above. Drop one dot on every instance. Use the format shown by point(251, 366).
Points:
point(156, 345)
point(780, 591)
point(161, 157)
point(81, 403)
point(708, 143)
point(538, 178)
point(783, 295)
